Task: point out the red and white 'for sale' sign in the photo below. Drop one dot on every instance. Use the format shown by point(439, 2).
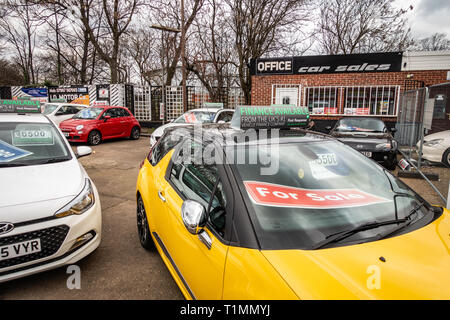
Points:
point(276, 195)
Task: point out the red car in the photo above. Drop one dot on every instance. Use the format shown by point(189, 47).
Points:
point(92, 125)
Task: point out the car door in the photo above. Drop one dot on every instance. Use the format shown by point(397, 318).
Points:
point(199, 259)
point(110, 127)
point(125, 122)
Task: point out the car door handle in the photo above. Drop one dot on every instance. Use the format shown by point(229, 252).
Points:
point(161, 196)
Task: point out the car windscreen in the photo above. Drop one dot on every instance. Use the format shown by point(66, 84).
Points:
point(360, 125)
point(23, 144)
point(49, 108)
point(196, 117)
point(88, 113)
point(319, 189)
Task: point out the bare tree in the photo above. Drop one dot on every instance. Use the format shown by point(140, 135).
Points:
point(258, 27)
point(167, 13)
point(212, 49)
point(19, 28)
point(360, 26)
point(435, 42)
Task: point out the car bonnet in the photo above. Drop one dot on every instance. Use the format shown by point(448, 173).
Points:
point(414, 265)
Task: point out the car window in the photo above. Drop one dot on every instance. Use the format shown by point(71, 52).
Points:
point(49, 108)
point(23, 144)
point(111, 112)
point(199, 182)
point(360, 125)
point(88, 113)
point(225, 116)
point(320, 189)
point(123, 112)
point(164, 145)
point(196, 117)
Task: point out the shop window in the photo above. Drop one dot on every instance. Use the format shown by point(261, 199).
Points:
point(322, 100)
point(379, 100)
point(352, 100)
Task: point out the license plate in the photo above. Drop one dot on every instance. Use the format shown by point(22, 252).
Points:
point(366, 153)
point(20, 249)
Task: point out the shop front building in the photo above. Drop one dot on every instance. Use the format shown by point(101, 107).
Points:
point(346, 85)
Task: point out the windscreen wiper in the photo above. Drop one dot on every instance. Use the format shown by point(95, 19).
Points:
point(54, 160)
point(13, 164)
point(366, 226)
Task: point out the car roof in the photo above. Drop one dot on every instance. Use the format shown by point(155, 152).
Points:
point(67, 104)
point(209, 109)
point(27, 117)
point(226, 135)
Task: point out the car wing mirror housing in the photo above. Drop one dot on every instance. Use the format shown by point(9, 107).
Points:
point(83, 151)
point(106, 118)
point(194, 216)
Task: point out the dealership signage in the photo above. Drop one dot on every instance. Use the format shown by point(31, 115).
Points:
point(351, 63)
point(69, 94)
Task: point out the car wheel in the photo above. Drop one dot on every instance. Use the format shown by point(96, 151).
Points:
point(145, 237)
point(446, 158)
point(94, 138)
point(135, 133)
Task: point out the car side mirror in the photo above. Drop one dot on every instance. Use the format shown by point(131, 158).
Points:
point(328, 128)
point(106, 118)
point(83, 151)
point(194, 216)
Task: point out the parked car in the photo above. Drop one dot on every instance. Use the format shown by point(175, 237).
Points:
point(204, 115)
point(369, 136)
point(436, 147)
point(59, 112)
point(50, 212)
point(92, 125)
point(309, 231)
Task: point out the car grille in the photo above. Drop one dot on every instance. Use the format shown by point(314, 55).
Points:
point(51, 240)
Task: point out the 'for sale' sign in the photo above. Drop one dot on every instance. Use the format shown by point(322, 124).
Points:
point(269, 194)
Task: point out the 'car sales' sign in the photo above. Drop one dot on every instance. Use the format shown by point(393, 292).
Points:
point(351, 63)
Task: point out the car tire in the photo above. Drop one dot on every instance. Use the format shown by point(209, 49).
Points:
point(135, 133)
point(94, 137)
point(446, 158)
point(145, 237)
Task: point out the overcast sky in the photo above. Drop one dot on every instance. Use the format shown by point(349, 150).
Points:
point(427, 16)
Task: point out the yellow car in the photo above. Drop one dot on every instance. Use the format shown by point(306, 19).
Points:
point(238, 214)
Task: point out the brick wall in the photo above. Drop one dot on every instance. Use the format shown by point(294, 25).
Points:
point(262, 85)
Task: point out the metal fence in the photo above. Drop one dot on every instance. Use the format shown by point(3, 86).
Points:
point(422, 111)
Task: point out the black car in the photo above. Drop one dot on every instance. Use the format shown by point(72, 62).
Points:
point(370, 137)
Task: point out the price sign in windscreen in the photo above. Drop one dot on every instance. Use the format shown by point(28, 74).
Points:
point(32, 135)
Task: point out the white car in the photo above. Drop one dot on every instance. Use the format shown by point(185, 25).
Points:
point(50, 212)
point(436, 147)
point(203, 115)
point(59, 112)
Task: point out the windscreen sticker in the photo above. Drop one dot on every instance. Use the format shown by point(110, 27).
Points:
point(26, 135)
point(190, 118)
point(9, 153)
point(326, 166)
point(275, 195)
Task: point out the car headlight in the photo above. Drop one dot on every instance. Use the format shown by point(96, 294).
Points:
point(79, 127)
point(383, 146)
point(433, 143)
point(80, 204)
